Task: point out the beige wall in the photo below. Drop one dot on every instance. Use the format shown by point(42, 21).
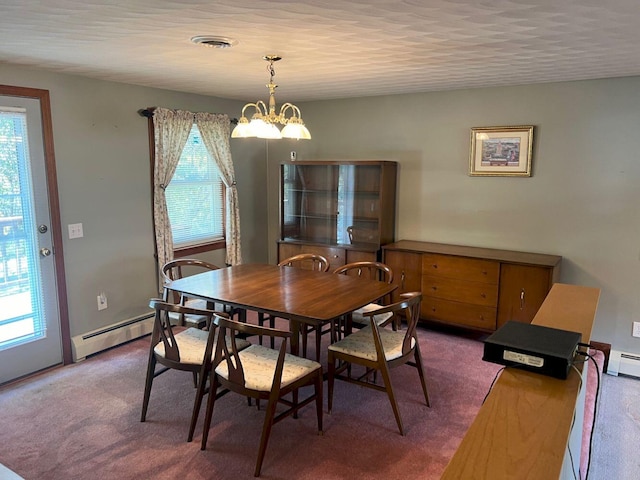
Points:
point(102, 155)
point(582, 202)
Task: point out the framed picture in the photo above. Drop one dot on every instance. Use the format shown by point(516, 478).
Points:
point(501, 151)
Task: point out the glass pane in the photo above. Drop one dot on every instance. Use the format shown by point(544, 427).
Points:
point(20, 293)
point(195, 196)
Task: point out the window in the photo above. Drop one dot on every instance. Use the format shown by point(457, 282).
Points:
point(195, 197)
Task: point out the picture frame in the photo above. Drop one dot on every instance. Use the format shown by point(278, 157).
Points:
point(501, 151)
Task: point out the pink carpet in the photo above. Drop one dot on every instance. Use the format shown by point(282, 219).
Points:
point(82, 422)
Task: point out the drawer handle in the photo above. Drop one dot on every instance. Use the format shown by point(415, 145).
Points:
point(435, 265)
point(483, 295)
point(402, 280)
point(484, 272)
point(433, 309)
point(482, 317)
point(434, 288)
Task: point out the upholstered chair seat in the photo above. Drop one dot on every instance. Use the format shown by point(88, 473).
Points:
point(358, 317)
point(191, 345)
point(361, 345)
point(378, 349)
point(259, 364)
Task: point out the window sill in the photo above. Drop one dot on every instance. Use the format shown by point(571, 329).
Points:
point(195, 249)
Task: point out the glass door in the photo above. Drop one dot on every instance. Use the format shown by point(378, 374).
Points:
point(30, 334)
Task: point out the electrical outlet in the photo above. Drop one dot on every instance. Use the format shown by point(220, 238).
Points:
point(102, 301)
point(636, 329)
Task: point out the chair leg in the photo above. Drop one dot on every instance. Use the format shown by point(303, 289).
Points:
point(318, 332)
point(420, 368)
point(151, 367)
point(213, 387)
point(384, 371)
point(266, 432)
point(272, 324)
point(331, 371)
point(303, 334)
point(260, 323)
point(318, 390)
point(200, 393)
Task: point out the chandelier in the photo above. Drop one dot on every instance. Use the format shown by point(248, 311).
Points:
point(264, 120)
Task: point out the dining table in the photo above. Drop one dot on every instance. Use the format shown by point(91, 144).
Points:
point(294, 294)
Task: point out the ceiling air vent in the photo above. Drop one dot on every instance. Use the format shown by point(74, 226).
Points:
point(214, 42)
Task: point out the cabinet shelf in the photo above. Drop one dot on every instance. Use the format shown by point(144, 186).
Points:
point(337, 204)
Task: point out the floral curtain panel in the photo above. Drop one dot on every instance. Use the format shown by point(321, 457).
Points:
point(215, 130)
point(171, 130)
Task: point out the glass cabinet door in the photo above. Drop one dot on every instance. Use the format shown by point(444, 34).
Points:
point(358, 204)
point(309, 202)
point(333, 204)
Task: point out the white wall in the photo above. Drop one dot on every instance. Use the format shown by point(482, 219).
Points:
point(582, 201)
point(102, 156)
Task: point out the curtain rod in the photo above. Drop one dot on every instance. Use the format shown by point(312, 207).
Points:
point(148, 112)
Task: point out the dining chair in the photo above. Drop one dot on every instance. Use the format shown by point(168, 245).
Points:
point(371, 271)
point(379, 349)
point(308, 261)
point(262, 373)
point(180, 268)
point(180, 348)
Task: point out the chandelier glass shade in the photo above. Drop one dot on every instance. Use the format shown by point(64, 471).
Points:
point(264, 121)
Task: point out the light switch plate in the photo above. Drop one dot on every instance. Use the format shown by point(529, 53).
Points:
point(75, 230)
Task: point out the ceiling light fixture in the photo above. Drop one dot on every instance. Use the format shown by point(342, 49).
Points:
point(264, 120)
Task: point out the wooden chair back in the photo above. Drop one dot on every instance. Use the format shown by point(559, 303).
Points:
point(196, 360)
point(308, 261)
point(266, 379)
point(409, 306)
point(369, 270)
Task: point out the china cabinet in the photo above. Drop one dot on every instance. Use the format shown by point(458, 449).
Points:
point(344, 210)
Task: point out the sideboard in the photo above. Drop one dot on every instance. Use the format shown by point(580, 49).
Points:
point(472, 287)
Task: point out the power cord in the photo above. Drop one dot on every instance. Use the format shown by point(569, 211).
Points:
point(595, 404)
point(491, 386)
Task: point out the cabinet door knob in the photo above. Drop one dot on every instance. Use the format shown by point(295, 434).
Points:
point(434, 288)
point(435, 265)
point(483, 295)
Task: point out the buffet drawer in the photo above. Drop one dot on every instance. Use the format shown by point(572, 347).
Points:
point(475, 270)
point(464, 314)
point(476, 293)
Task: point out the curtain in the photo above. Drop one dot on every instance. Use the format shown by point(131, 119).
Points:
point(171, 130)
point(215, 131)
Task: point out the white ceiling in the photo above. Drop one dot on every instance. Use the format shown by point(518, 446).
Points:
point(330, 48)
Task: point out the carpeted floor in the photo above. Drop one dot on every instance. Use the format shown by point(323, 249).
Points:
point(616, 441)
point(82, 421)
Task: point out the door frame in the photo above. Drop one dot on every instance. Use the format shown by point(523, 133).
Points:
point(54, 205)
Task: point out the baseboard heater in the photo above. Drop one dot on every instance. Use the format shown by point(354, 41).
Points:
point(624, 363)
point(111, 336)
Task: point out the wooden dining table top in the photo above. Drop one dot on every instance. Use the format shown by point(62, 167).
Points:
point(287, 292)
